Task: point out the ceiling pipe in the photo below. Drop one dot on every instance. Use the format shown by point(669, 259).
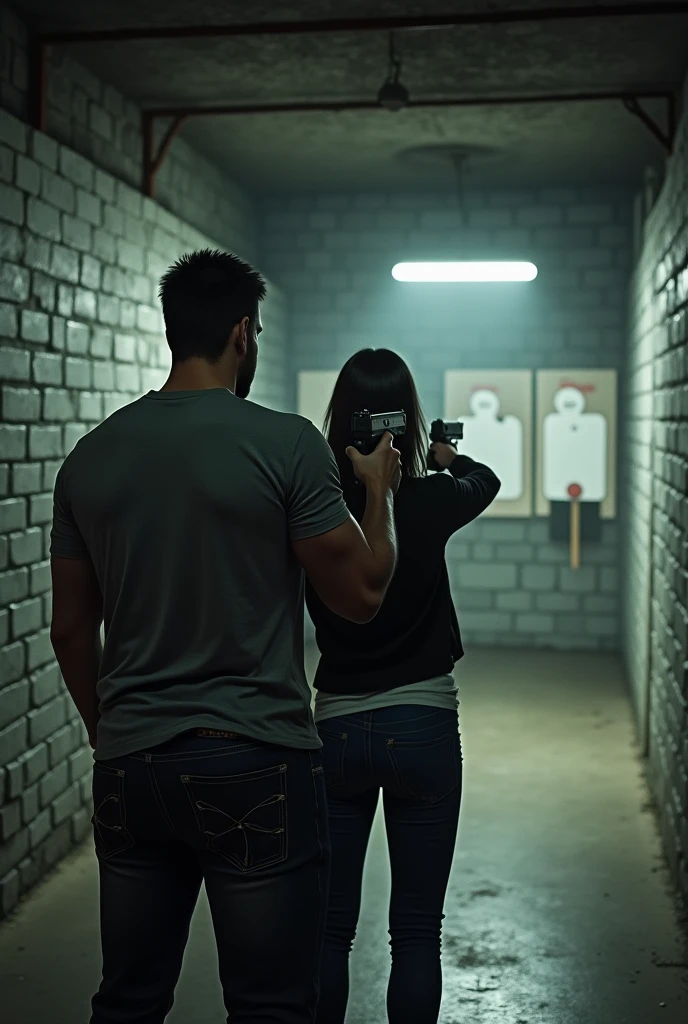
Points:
point(344, 105)
point(397, 23)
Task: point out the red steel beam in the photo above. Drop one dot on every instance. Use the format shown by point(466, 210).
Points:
point(395, 23)
point(342, 105)
point(152, 159)
point(666, 138)
point(152, 162)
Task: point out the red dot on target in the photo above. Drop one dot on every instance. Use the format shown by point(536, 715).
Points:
point(575, 490)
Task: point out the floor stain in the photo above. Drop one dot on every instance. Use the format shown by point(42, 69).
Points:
point(475, 956)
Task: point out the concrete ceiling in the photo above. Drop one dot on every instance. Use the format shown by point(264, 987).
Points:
point(553, 143)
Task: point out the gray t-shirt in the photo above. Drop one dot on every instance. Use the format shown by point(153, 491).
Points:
point(186, 502)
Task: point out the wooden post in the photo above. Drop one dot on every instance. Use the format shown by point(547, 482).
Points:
point(575, 533)
point(575, 491)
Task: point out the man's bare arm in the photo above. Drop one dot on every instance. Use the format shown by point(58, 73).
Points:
point(350, 567)
point(75, 633)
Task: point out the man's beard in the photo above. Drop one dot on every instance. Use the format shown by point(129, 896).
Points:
point(247, 372)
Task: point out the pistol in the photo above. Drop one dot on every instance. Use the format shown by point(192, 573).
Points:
point(368, 427)
point(443, 432)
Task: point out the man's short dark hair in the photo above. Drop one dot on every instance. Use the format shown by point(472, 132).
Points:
point(204, 295)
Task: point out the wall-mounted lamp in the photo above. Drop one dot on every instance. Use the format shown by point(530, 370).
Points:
point(476, 271)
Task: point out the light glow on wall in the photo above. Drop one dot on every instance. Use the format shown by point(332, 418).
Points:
point(475, 271)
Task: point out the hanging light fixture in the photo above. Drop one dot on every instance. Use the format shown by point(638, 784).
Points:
point(393, 95)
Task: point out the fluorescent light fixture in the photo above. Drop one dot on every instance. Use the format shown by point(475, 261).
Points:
point(474, 271)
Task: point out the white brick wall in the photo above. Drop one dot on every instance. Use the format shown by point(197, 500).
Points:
point(655, 612)
point(333, 254)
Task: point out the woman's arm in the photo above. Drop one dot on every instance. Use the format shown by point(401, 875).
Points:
point(475, 486)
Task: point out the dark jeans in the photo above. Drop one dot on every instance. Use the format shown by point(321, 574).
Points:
point(413, 754)
point(250, 821)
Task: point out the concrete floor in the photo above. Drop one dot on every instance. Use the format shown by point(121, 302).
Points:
point(559, 910)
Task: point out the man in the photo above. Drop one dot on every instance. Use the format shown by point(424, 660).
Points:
point(184, 521)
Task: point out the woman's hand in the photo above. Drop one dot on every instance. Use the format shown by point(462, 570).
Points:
point(444, 454)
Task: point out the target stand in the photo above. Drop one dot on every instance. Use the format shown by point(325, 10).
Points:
point(575, 522)
point(575, 491)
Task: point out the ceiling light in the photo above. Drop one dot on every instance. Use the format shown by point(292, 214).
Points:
point(393, 95)
point(475, 271)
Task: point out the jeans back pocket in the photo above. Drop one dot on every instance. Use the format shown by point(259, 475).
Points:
point(109, 820)
point(243, 818)
point(426, 769)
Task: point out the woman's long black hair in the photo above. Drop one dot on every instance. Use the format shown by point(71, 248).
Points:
point(380, 381)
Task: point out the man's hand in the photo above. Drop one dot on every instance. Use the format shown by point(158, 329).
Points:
point(444, 454)
point(381, 469)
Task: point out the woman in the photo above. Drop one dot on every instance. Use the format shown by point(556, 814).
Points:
point(386, 704)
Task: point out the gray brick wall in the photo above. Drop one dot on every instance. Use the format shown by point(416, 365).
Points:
point(97, 122)
point(333, 254)
point(655, 529)
point(80, 336)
